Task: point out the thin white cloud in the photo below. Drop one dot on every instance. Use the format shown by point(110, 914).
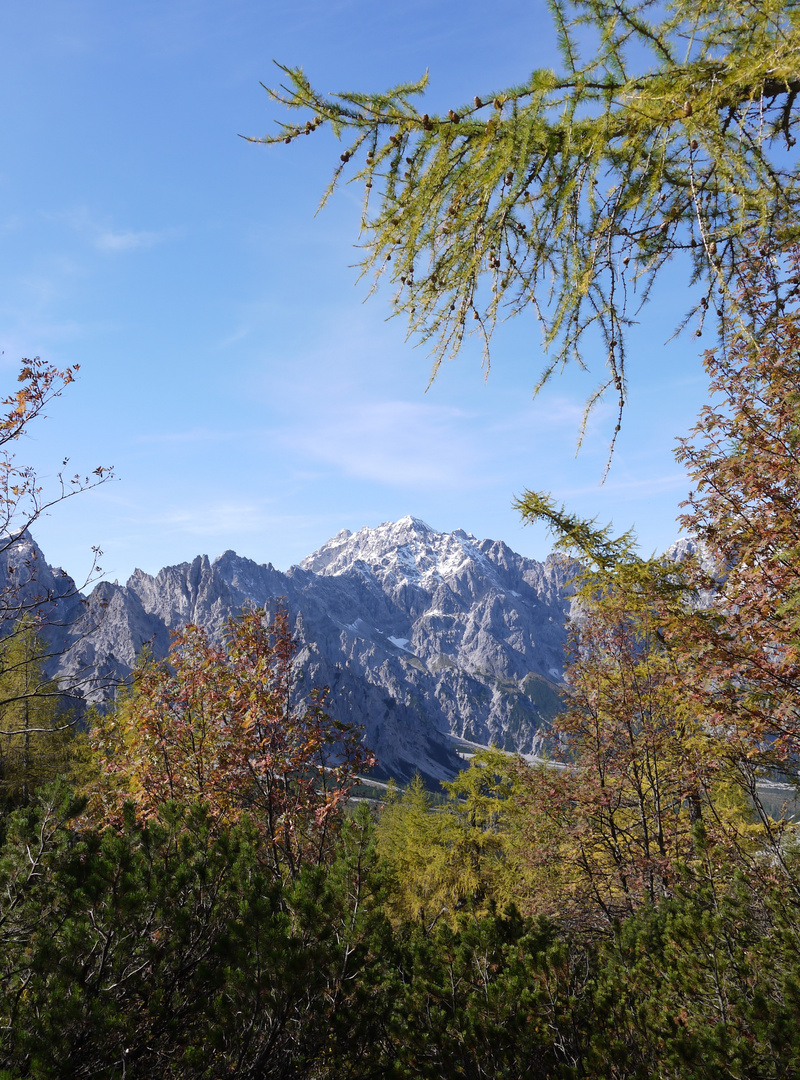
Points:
point(399, 443)
point(528, 424)
point(235, 337)
point(108, 240)
point(191, 435)
point(215, 518)
point(219, 519)
point(220, 522)
point(633, 488)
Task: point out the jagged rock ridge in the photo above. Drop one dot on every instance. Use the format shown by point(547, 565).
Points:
point(420, 635)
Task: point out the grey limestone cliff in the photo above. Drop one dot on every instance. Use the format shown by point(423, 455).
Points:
point(420, 635)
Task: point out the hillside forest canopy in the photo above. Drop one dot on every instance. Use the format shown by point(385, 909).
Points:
point(194, 884)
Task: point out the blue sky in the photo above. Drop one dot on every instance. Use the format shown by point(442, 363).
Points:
point(231, 371)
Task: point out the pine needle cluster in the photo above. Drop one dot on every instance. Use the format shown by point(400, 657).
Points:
point(570, 192)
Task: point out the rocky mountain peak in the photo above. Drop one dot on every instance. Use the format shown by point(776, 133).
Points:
point(402, 553)
point(424, 637)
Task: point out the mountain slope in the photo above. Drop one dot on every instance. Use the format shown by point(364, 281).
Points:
point(420, 635)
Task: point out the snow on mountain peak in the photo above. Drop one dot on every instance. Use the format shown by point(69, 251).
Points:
point(407, 550)
point(410, 522)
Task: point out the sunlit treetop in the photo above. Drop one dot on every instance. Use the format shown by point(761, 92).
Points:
point(674, 136)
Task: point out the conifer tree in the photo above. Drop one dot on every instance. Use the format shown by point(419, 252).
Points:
point(674, 138)
point(169, 949)
point(36, 729)
point(410, 839)
point(459, 853)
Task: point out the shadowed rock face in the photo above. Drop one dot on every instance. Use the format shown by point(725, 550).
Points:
point(420, 635)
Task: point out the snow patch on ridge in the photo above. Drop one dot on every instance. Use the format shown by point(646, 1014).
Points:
point(407, 552)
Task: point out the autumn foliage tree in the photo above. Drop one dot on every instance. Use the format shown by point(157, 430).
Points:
point(224, 725)
point(744, 460)
point(615, 824)
point(684, 677)
point(743, 457)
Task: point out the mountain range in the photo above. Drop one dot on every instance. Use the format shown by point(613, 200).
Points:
point(429, 640)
